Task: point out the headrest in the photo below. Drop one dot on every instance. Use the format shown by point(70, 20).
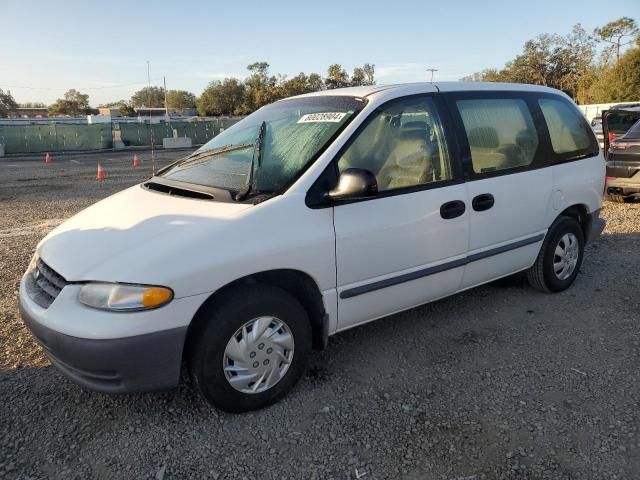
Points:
point(485, 137)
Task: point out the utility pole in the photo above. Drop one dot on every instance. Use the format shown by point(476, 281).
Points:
point(166, 107)
point(432, 70)
point(153, 160)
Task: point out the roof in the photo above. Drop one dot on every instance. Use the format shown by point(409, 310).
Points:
point(431, 87)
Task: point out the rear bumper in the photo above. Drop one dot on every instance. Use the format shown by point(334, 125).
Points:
point(122, 365)
point(624, 187)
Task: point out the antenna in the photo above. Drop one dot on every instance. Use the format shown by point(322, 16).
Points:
point(432, 70)
point(153, 163)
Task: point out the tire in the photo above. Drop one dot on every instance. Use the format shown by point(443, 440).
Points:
point(224, 320)
point(542, 275)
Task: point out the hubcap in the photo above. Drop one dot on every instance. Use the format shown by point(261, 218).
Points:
point(258, 355)
point(566, 255)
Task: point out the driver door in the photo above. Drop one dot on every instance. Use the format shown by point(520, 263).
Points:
point(407, 244)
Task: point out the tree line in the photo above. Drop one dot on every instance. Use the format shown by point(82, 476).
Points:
point(230, 96)
point(589, 67)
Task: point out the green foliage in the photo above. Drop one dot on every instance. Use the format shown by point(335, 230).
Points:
point(615, 32)
point(261, 87)
point(569, 63)
point(150, 97)
point(73, 104)
point(337, 77)
point(234, 97)
point(301, 84)
point(364, 75)
point(231, 96)
point(125, 108)
point(621, 82)
point(222, 98)
point(180, 100)
point(7, 104)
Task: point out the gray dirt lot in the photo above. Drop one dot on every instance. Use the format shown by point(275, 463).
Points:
point(500, 382)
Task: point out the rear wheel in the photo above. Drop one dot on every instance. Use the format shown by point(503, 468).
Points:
point(560, 257)
point(252, 348)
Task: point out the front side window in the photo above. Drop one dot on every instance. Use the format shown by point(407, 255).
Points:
point(566, 126)
point(279, 140)
point(501, 133)
point(402, 145)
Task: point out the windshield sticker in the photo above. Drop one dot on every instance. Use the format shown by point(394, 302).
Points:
point(333, 117)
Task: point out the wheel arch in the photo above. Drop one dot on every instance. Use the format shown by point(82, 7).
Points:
point(580, 213)
point(299, 284)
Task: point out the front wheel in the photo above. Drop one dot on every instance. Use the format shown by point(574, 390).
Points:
point(560, 257)
point(252, 348)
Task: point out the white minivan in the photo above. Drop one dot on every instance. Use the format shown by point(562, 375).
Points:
point(313, 215)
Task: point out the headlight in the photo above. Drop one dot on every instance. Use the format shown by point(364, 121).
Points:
point(122, 297)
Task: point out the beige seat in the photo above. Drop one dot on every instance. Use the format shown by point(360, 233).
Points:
point(409, 162)
point(484, 149)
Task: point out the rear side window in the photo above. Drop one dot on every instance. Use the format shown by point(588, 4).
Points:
point(501, 133)
point(634, 132)
point(567, 127)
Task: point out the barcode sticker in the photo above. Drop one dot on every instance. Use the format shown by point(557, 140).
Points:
point(333, 117)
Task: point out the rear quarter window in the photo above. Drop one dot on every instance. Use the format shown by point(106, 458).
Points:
point(634, 131)
point(567, 128)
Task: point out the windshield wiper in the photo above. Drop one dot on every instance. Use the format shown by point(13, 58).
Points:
point(258, 148)
point(215, 151)
point(204, 155)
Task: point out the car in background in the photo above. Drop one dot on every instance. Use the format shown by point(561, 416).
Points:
point(596, 126)
point(623, 166)
point(617, 121)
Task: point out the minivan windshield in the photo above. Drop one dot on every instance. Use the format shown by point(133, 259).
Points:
point(277, 142)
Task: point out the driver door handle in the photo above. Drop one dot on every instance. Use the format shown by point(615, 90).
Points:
point(482, 202)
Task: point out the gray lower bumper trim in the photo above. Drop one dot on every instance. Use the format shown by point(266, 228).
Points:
point(122, 365)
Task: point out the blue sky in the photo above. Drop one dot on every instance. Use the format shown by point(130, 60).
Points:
point(101, 48)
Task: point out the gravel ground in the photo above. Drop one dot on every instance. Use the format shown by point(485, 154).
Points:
point(500, 382)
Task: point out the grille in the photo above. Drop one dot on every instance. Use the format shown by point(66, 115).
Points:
point(44, 284)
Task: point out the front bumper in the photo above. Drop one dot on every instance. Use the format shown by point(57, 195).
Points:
point(145, 362)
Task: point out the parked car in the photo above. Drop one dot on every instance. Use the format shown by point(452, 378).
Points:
point(311, 216)
point(623, 166)
point(596, 125)
point(617, 121)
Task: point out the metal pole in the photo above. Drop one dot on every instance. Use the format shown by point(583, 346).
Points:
point(153, 163)
point(166, 107)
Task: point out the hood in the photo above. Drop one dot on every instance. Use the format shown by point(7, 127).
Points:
point(125, 237)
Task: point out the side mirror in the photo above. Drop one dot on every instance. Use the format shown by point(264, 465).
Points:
point(354, 183)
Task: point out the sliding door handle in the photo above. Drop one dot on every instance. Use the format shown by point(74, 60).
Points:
point(483, 202)
point(452, 209)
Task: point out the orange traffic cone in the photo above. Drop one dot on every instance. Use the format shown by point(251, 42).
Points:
point(48, 158)
point(101, 176)
point(136, 162)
